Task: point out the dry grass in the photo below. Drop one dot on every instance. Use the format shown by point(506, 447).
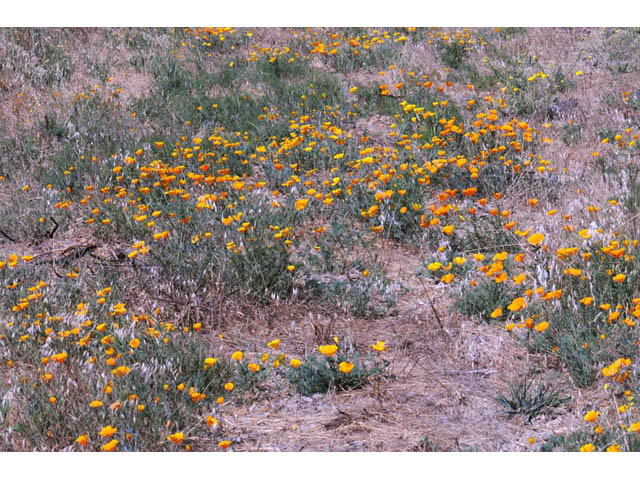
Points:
point(443, 386)
point(446, 375)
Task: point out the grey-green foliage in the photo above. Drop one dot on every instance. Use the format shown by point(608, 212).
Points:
point(319, 375)
point(530, 401)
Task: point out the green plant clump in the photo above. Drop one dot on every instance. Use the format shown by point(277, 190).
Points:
point(321, 375)
point(523, 399)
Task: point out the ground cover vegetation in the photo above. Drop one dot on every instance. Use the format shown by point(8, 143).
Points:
point(411, 239)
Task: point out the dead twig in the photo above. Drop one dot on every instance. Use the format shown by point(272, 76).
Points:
point(50, 234)
point(7, 236)
point(435, 312)
point(482, 371)
point(169, 300)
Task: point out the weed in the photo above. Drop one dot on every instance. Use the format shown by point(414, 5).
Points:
point(608, 440)
point(620, 42)
point(571, 133)
point(561, 83)
point(522, 399)
point(482, 300)
point(452, 53)
point(425, 445)
point(316, 375)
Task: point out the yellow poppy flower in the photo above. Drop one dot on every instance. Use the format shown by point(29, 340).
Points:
point(345, 367)
point(536, 239)
point(210, 361)
point(542, 326)
point(59, 357)
point(301, 203)
point(253, 367)
point(448, 278)
point(237, 356)
point(108, 431)
point(110, 447)
point(517, 305)
point(328, 350)
point(591, 416)
point(619, 278)
point(448, 229)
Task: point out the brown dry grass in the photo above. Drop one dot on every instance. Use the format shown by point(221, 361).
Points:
point(24, 102)
point(442, 385)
